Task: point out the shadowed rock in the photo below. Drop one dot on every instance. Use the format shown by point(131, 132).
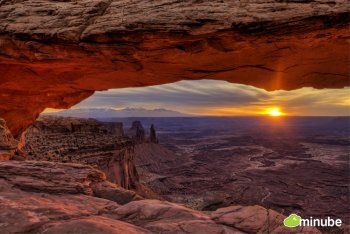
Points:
point(153, 135)
point(137, 132)
point(8, 145)
point(115, 128)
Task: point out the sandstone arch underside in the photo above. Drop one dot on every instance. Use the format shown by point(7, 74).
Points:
point(57, 53)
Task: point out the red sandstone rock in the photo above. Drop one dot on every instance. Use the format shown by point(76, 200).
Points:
point(46, 197)
point(57, 53)
point(40, 212)
point(263, 220)
point(85, 141)
point(63, 178)
point(166, 217)
point(99, 144)
point(92, 224)
point(8, 145)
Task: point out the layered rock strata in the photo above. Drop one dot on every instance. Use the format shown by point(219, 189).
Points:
point(9, 147)
point(84, 141)
point(62, 178)
point(50, 197)
point(57, 53)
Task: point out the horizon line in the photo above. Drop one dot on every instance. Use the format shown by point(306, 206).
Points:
point(202, 116)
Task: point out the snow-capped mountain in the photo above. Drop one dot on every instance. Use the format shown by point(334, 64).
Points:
point(117, 113)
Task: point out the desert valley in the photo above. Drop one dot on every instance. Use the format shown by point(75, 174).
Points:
point(207, 163)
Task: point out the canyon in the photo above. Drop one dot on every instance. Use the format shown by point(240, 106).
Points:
point(69, 175)
point(211, 163)
point(290, 164)
point(87, 141)
point(55, 197)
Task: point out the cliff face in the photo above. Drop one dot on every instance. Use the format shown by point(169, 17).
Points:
point(9, 147)
point(57, 53)
point(7, 142)
point(84, 141)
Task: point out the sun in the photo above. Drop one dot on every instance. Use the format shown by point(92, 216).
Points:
point(274, 112)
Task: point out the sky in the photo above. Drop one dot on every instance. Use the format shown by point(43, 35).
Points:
point(218, 98)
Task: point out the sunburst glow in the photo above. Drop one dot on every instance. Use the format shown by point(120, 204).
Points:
point(274, 112)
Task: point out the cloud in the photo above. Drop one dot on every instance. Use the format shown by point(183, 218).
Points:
point(211, 97)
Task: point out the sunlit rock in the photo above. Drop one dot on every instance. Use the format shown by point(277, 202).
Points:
point(57, 53)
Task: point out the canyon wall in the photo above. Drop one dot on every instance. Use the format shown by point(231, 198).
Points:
point(10, 148)
point(87, 141)
point(84, 141)
point(57, 53)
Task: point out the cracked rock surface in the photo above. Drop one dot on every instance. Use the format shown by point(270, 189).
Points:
point(59, 198)
point(78, 20)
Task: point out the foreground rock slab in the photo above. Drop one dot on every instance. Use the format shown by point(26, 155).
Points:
point(62, 178)
point(46, 197)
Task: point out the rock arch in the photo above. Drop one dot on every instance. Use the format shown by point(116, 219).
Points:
point(57, 53)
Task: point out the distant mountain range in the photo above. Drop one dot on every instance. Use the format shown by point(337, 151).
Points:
point(99, 113)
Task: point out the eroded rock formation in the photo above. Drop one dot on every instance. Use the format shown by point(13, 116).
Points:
point(153, 135)
point(9, 146)
point(62, 178)
point(57, 53)
point(137, 132)
point(86, 141)
point(49, 197)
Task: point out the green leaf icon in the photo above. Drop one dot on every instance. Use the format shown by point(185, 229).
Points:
point(292, 220)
